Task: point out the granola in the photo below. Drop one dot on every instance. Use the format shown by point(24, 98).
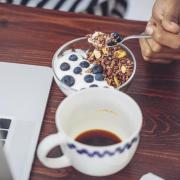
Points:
point(115, 61)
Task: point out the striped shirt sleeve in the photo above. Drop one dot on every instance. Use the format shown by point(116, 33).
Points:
point(114, 8)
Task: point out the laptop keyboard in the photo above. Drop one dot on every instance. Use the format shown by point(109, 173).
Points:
point(4, 129)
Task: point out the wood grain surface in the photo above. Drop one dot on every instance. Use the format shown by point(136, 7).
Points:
point(31, 36)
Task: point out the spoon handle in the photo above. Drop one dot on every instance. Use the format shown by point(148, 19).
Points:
point(142, 35)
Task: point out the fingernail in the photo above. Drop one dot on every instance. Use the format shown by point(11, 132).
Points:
point(149, 30)
point(173, 24)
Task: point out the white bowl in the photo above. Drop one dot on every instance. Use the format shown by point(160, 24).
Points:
point(82, 43)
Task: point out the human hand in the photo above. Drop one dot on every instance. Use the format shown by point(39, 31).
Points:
point(164, 28)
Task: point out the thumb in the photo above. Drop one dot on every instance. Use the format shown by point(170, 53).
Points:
point(170, 23)
point(150, 25)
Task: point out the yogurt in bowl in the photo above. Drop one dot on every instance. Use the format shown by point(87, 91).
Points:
point(79, 65)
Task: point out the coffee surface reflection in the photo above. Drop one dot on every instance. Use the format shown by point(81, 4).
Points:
point(97, 137)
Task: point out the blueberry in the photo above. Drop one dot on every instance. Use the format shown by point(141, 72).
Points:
point(73, 57)
point(93, 85)
point(119, 39)
point(99, 77)
point(97, 69)
point(111, 43)
point(89, 78)
point(68, 80)
point(84, 64)
point(77, 70)
point(115, 35)
point(64, 66)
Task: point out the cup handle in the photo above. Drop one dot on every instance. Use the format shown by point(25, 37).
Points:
point(48, 144)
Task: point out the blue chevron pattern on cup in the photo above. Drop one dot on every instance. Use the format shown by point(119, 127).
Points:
point(105, 153)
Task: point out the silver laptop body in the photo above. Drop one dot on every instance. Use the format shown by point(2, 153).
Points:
point(24, 91)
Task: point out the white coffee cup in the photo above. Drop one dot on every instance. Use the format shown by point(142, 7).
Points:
point(94, 108)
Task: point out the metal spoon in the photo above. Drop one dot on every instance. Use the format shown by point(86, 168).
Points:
point(142, 35)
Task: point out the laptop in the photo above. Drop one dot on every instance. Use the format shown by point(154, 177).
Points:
point(24, 91)
point(5, 173)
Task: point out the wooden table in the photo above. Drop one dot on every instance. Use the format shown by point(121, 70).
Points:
point(31, 36)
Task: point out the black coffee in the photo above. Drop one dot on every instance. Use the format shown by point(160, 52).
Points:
point(98, 137)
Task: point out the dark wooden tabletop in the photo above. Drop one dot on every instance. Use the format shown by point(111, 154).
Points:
point(31, 36)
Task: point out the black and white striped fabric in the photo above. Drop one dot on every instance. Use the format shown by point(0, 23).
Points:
point(115, 8)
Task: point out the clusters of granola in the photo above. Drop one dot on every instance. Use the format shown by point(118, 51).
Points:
point(100, 39)
point(116, 63)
